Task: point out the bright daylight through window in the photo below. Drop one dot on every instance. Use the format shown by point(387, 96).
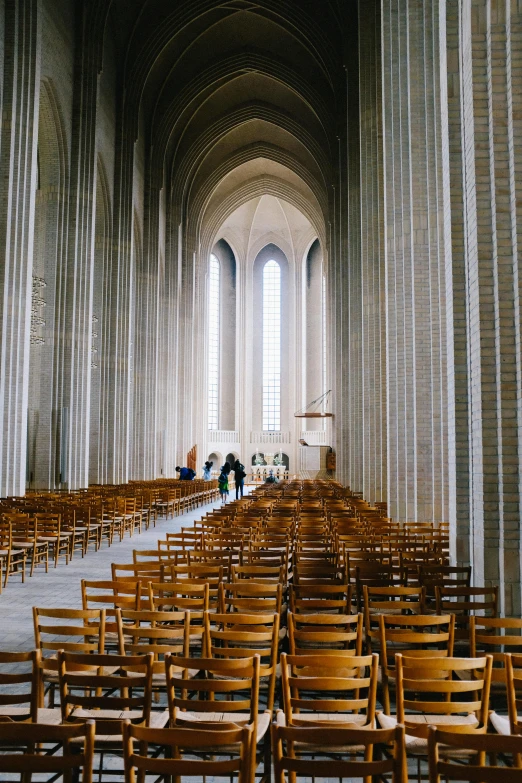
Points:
point(213, 344)
point(271, 346)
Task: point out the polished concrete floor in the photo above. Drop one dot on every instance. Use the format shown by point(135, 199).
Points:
point(61, 586)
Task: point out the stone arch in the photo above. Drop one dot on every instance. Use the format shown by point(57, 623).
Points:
point(49, 268)
point(217, 458)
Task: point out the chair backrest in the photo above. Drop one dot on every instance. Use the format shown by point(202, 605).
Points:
point(182, 745)
point(495, 636)
point(142, 571)
point(180, 596)
point(144, 631)
point(466, 601)
point(74, 630)
point(109, 683)
point(248, 597)
point(443, 687)
point(325, 742)
point(76, 744)
point(514, 690)
point(316, 684)
point(225, 685)
point(444, 576)
point(331, 634)
point(110, 595)
point(464, 756)
point(306, 599)
point(422, 635)
point(11, 681)
point(212, 574)
point(259, 573)
point(389, 600)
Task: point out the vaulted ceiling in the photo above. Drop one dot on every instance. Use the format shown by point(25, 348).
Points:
point(236, 99)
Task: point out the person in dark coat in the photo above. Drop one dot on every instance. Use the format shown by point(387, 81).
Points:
point(186, 474)
point(239, 476)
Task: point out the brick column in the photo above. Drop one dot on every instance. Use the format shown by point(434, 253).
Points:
point(415, 261)
point(18, 145)
point(78, 289)
point(373, 335)
point(484, 77)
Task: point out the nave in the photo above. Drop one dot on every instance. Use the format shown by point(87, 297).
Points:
point(289, 631)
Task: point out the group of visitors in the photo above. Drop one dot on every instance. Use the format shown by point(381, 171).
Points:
point(239, 478)
point(187, 474)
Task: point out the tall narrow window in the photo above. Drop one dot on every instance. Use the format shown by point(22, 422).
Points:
point(213, 343)
point(324, 342)
point(271, 346)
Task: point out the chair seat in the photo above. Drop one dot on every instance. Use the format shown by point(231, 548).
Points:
point(158, 720)
point(419, 744)
point(240, 718)
point(327, 719)
point(6, 552)
point(500, 723)
point(47, 716)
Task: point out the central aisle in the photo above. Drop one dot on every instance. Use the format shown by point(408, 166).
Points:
point(61, 586)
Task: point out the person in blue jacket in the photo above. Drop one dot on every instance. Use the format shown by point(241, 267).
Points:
point(186, 474)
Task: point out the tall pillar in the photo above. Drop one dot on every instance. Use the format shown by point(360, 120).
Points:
point(18, 169)
point(415, 261)
point(373, 332)
point(78, 289)
point(485, 78)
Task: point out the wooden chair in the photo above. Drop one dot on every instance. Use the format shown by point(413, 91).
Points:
point(12, 559)
point(464, 602)
point(25, 536)
point(72, 630)
point(448, 751)
point(496, 636)
point(424, 636)
point(327, 634)
point(236, 635)
point(323, 690)
point(452, 693)
point(49, 527)
point(249, 597)
point(303, 752)
point(11, 682)
point(388, 600)
point(25, 750)
point(513, 688)
point(159, 633)
point(225, 691)
point(107, 689)
point(226, 751)
point(110, 595)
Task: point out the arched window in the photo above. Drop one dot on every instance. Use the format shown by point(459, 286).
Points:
point(324, 340)
point(271, 346)
point(213, 343)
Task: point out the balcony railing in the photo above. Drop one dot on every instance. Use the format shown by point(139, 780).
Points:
point(263, 436)
point(314, 437)
point(223, 436)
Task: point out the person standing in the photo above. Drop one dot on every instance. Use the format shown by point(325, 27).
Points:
point(207, 471)
point(239, 476)
point(223, 483)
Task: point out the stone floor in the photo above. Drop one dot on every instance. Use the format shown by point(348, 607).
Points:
point(61, 586)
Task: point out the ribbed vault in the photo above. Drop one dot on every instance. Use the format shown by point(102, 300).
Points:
point(215, 86)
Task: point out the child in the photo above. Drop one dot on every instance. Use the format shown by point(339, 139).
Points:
point(223, 485)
